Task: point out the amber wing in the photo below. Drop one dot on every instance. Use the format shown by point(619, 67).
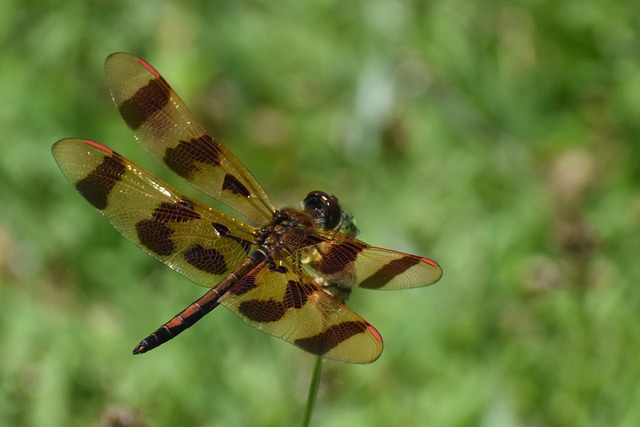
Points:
point(165, 127)
point(286, 302)
point(200, 242)
point(348, 262)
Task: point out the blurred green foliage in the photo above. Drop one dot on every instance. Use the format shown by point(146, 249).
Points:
point(499, 138)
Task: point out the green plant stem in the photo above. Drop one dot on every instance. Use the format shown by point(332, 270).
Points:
point(313, 391)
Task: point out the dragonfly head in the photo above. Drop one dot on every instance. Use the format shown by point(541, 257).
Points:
point(327, 214)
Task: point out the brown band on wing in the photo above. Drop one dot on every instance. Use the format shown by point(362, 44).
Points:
point(338, 257)
point(243, 286)
point(388, 272)
point(298, 241)
point(182, 211)
point(231, 183)
point(155, 236)
point(183, 157)
point(97, 186)
point(295, 296)
point(147, 101)
point(280, 269)
point(325, 341)
point(204, 259)
point(310, 240)
point(248, 282)
point(246, 245)
point(221, 229)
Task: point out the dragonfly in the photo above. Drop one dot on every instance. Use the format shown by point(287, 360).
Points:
point(287, 272)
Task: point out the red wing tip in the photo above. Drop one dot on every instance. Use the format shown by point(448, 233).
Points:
point(375, 333)
point(97, 145)
point(430, 262)
point(148, 66)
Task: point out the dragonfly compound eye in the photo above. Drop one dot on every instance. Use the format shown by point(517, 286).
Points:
point(324, 208)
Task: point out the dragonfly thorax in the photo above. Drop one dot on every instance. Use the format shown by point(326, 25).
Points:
point(272, 238)
point(282, 235)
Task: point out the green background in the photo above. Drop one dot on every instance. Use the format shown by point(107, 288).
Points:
point(498, 138)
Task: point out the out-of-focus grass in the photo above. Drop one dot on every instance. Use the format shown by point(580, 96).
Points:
point(499, 138)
